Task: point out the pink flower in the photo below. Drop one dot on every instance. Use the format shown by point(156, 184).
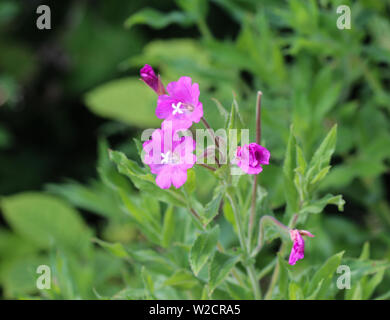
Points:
point(149, 77)
point(250, 158)
point(169, 156)
point(298, 248)
point(181, 103)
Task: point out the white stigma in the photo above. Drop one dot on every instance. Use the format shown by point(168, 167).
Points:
point(166, 157)
point(176, 108)
point(170, 158)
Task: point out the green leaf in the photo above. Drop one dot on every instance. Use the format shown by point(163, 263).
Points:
point(325, 274)
point(129, 294)
point(365, 255)
point(223, 112)
point(127, 100)
point(182, 279)
point(108, 171)
point(116, 249)
point(190, 184)
point(156, 262)
point(283, 278)
point(295, 291)
point(202, 249)
point(313, 296)
point(356, 292)
point(158, 20)
point(168, 227)
point(317, 206)
point(361, 268)
point(229, 214)
point(44, 220)
point(145, 181)
point(19, 275)
point(143, 216)
point(212, 208)
point(321, 157)
point(320, 175)
point(235, 121)
point(148, 283)
point(219, 268)
point(238, 292)
point(196, 8)
point(96, 197)
point(370, 285)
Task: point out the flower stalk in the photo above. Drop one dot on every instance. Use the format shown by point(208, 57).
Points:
point(241, 236)
point(254, 187)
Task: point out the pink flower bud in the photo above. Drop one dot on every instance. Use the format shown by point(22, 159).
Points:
point(298, 248)
point(149, 77)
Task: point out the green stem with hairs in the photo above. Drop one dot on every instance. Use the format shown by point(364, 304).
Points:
point(249, 267)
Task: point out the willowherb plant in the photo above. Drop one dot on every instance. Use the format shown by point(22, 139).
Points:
point(204, 266)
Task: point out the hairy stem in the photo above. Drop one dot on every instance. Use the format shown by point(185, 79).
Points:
point(275, 274)
point(253, 211)
point(249, 268)
point(258, 117)
point(254, 188)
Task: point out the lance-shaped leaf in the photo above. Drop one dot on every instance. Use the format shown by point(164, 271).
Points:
point(321, 158)
point(169, 225)
point(325, 274)
point(116, 248)
point(220, 267)
point(145, 181)
point(182, 279)
point(202, 249)
point(317, 206)
point(211, 209)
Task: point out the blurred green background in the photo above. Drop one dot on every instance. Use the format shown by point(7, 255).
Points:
point(63, 90)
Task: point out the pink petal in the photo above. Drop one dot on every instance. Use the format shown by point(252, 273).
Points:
point(164, 178)
point(179, 177)
point(164, 106)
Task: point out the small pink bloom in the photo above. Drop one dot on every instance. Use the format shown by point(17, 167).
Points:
point(181, 103)
point(169, 156)
point(251, 157)
point(298, 248)
point(149, 77)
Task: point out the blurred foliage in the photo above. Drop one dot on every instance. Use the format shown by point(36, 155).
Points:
point(312, 76)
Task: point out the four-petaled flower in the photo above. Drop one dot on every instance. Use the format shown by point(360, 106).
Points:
point(251, 157)
point(298, 248)
point(169, 156)
point(181, 103)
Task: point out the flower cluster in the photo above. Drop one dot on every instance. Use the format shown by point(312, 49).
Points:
point(168, 155)
point(179, 106)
